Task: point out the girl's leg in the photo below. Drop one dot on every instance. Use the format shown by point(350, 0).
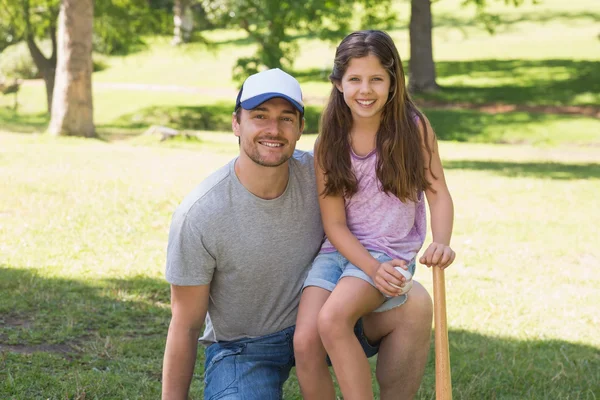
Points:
point(404, 335)
point(311, 367)
point(351, 299)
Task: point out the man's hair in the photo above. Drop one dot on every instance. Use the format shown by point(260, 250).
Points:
point(400, 161)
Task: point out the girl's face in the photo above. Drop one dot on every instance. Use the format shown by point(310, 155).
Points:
point(366, 86)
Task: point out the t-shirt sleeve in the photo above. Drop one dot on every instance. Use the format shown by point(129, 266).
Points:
point(188, 261)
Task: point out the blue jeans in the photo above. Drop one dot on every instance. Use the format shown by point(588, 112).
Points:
point(328, 268)
point(256, 368)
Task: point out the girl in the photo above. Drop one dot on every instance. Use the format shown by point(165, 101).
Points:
point(375, 158)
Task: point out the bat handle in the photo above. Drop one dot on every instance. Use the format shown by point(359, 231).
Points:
point(443, 381)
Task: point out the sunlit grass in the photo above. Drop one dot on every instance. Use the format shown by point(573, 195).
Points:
point(83, 229)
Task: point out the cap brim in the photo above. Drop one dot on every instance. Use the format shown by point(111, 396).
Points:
point(256, 101)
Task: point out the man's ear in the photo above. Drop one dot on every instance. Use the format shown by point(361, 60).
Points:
point(235, 125)
point(301, 127)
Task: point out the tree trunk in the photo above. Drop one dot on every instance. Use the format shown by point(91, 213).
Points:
point(183, 21)
point(422, 66)
point(72, 107)
point(46, 66)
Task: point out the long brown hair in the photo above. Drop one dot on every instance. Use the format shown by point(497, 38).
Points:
point(400, 161)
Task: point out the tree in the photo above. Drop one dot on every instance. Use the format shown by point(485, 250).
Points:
point(275, 24)
point(183, 21)
point(29, 20)
point(421, 65)
point(422, 76)
point(118, 27)
point(72, 107)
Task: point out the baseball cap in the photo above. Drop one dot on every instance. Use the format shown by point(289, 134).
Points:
point(267, 85)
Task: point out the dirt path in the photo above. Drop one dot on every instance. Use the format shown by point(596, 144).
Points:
point(230, 94)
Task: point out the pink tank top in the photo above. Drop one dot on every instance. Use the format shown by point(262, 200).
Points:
point(380, 221)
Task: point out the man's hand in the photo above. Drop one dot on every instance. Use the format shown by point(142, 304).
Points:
point(438, 255)
point(386, 275)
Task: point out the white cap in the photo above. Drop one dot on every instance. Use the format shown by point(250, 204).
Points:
point(269, 84)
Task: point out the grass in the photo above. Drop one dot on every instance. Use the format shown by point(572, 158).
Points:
point(84, 306)
point(191, 113)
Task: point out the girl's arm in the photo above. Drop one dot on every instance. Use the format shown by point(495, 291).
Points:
point(333, 214)
point(440, 203)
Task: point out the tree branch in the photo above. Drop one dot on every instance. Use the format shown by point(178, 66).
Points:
point(53, 55)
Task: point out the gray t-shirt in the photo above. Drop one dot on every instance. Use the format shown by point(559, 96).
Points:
point(254, 253)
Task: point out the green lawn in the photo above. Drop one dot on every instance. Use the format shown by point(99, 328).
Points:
point(85, 309)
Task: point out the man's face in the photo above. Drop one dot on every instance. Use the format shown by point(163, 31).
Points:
point(268, 133)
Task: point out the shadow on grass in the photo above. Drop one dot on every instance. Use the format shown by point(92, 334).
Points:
point(505, 22)
point(488, 367)
point(216, 117)
point(532, 82)
point(36, 309)
point(119, 326)
point(455, 125)
point(70, 338)
point(16, 121)
point(450, 124)
point(543, 170)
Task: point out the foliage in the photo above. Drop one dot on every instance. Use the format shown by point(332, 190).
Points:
point(118, 25)
point(486, 18)
point(7, 33)
point(275, 25)
point(16, 60)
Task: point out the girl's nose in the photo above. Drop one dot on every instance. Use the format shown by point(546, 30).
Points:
point(365, 87)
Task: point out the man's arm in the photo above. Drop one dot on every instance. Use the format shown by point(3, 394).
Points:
point(189, 305)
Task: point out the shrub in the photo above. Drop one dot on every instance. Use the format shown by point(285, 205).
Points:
point(16, 61)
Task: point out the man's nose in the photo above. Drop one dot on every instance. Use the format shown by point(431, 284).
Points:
point(273, 125)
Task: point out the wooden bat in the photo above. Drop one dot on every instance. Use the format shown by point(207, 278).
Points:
point(443, 381)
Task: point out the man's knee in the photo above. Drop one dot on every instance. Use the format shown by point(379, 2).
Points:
point(414, 316)
point(420, 303)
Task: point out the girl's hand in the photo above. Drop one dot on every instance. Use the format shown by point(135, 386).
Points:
point(386, 274)
point(438, 255)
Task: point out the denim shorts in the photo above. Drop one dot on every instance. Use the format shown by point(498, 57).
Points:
point(328, 268)
point(257, 368)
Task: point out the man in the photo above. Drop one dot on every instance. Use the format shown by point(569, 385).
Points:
point(240, 246)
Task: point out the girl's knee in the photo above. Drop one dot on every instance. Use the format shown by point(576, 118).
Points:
point(307, 343)
point(333, 322)
point(420, 303)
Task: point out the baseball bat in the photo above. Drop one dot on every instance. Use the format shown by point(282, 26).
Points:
point(443, 381)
